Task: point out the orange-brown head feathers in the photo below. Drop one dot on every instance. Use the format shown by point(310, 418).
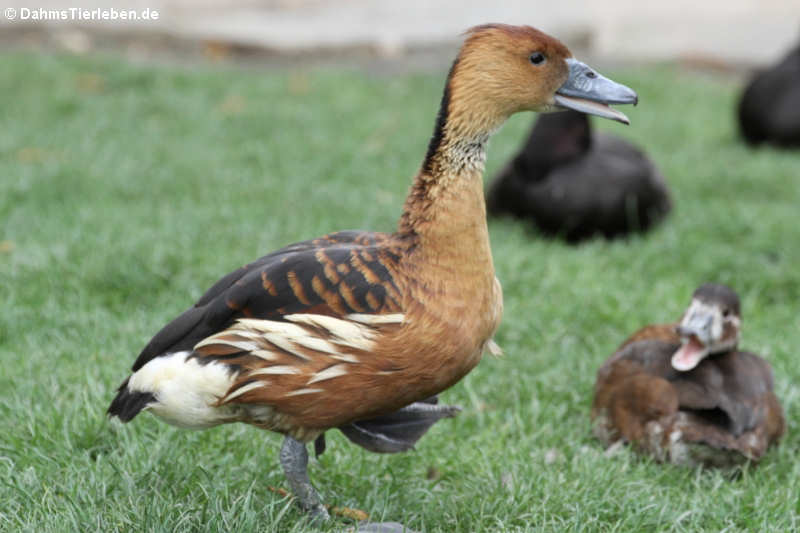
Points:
point(502, 70)
point(509, 69)
point(499, 71)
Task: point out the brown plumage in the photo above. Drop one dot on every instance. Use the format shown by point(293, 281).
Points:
point(721, 411)
point(653, 332)
point(361, 330)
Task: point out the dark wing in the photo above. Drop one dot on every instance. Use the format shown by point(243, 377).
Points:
point(747, 417)
point(341, 273)
point(739, 384)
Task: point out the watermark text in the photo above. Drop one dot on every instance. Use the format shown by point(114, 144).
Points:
point(79, 14)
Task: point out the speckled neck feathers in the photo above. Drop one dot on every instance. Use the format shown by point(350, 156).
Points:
point(455, 159)
point(455, 146)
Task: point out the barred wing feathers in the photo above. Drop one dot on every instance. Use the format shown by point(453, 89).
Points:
point(338, 274)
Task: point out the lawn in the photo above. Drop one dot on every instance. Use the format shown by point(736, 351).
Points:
point(127, 190)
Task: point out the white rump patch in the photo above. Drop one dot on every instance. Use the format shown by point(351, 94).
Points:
point(185, 390)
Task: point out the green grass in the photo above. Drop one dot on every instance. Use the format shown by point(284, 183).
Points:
point(127, 190)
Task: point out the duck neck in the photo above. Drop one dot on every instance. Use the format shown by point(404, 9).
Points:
point(445, 207)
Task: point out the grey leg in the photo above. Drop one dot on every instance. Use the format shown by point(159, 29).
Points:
point(294, 460)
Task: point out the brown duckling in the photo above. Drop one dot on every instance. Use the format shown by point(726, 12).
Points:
point(574, 184)
point(769, 108)
point(684, 393)
point(359, 330)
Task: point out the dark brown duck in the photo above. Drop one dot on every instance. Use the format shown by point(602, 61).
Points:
point(769, 109)
point(684, 393)
point(577, 185)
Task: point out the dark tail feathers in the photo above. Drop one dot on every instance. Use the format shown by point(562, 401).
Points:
point(400, 430)
point(128, 403)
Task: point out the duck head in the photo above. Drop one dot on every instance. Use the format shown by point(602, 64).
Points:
point(710, 325)
point(519, 68)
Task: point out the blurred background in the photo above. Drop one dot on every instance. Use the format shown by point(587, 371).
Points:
point(715, 33)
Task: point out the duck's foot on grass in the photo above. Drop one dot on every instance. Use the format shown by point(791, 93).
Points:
point(294, 459)
point(346, 512)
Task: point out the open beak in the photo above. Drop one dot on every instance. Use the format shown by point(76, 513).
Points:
point(695, 332)
point(588, 92)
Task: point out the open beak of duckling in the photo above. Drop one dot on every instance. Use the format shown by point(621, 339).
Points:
point(691, 352)
point(589, 92)
point(695, 331)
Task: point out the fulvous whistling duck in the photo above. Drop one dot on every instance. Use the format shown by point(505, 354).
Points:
point(576, 185)
point(769, 108)
point(357, 330)
point(685, 394)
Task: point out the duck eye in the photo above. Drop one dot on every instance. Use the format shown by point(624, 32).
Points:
point(726, 313)
point(537, 58)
